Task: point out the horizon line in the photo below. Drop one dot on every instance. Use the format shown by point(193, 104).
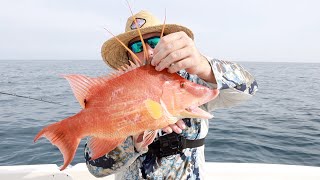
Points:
point(253, 61)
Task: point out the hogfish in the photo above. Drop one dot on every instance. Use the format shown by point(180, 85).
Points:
point(125, 104)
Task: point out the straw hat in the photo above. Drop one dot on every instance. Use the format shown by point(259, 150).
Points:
point(115, 55)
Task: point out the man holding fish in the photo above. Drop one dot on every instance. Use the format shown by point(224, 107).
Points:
point(178, 149)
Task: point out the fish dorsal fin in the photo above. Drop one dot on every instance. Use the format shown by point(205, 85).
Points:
point(82, 86)
point(126, 67)
point(122, 70)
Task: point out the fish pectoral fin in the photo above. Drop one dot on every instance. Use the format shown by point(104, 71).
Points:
point(141, 141)
point(196, 113)
point(154, 108)
point(102, 146)
point(148, 137)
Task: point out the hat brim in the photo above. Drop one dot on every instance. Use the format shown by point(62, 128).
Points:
point(115, 55)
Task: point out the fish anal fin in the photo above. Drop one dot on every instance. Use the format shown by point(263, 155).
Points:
point(154, 108)
point(102, 146)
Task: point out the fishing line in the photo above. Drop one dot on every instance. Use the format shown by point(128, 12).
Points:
point(28, 97)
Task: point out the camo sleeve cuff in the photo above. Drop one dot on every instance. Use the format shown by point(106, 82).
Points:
point(235, 83)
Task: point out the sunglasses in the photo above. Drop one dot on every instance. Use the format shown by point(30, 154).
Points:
point(137, 47)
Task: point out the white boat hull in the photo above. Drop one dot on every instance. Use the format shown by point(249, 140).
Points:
point(221, 171)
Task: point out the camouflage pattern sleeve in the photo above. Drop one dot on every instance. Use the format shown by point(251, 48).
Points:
point(235, 83)
point(116, 161)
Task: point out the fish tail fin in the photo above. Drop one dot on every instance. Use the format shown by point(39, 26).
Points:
point(66, 140)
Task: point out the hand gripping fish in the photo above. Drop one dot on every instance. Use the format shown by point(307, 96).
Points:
point(135, 100)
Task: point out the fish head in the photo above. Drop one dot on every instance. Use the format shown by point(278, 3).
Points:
point(182, 98)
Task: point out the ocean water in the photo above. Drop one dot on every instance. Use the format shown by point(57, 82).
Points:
point(280, 124)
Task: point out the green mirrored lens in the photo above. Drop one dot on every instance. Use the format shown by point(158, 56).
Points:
point(153, 42)
point(136, 47)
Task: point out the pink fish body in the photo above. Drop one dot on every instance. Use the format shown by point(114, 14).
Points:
point(125, 104)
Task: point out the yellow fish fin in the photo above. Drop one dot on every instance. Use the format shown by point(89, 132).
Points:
point(154, 108)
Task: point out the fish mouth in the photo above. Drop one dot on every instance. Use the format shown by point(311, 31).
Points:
point(196, 112)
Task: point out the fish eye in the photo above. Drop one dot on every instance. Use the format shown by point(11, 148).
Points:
point(182, 84)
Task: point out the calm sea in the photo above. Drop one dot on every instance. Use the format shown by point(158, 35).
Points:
point(281, 124)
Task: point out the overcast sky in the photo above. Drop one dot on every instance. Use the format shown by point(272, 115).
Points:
point(237, 30)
